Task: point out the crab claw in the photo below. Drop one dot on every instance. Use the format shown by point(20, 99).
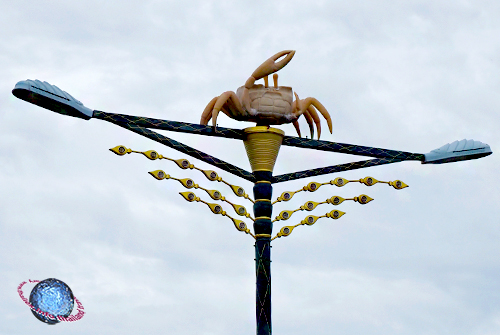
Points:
point(270, 66)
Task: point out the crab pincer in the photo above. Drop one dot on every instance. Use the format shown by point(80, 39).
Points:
point(270, 66)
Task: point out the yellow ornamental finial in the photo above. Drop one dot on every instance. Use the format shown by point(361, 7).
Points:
point(240, 192)
point(240, 225)
point(211, 175)
point(285, 231)
point(284, 215)
point(151, 154)
point(309, 206)
point(189, 196)
point(183, 163)
point(398, 184)
point(335, 200)
point(363, 199)
point(310, 220)
point(240, 210)
point(214, 194)
point(369, 181)
point(215, 208)
point(312, 186)
point(159, 174)
point(335, 214)
point(187, 182)
point(120, 150)
point(286, 196)
point(339, 181)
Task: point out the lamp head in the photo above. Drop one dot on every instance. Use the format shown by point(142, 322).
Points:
point(457, 151)
point(51, 97)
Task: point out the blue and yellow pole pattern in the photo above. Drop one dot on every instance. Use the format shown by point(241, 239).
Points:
point(262, 144)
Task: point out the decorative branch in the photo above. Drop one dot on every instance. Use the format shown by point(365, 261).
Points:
point(217, 209)
point(183, 164)
point(310, 205)
point(189, 151)
point(214, 194)
point(308, 220)
point(339, 182)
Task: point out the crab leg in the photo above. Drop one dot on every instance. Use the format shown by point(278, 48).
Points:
point(297, 127)
point(207, 112)
point(314, 102)
point(230, 99)
point(316, 119)
point(300, 106)
point(309, 120)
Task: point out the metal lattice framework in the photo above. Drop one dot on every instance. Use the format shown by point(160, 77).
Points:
point(143, 126)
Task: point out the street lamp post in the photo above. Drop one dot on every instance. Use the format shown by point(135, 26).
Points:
point(262, 144)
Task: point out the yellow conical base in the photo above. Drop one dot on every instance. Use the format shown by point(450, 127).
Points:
point(262, 145)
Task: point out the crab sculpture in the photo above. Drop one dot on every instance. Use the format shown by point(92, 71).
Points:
point(267, 105)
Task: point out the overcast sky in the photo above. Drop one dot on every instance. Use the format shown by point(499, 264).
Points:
point(410, 75)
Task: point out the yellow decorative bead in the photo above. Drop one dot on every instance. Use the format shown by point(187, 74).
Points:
point(335, 214)
point(286, 196)
point(187, 182)
point(310, 220)
point(285, 231)
point(285, 215)
point(240, 225)
point(159, 174)
point(214, 194)
point(120, 150)
point(189, 196)
point(398, 184)
point(369, 181)
point(310, 205)
point(240, 210)
point(363, 199)
point(238, 190)
point(151, 154)
point(182, 163)
point(210, 174)
point(312, 186)
point(216, 208)
point(339, 181)
point(335, 200)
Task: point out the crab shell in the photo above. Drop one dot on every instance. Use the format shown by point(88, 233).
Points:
point(268, 105)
